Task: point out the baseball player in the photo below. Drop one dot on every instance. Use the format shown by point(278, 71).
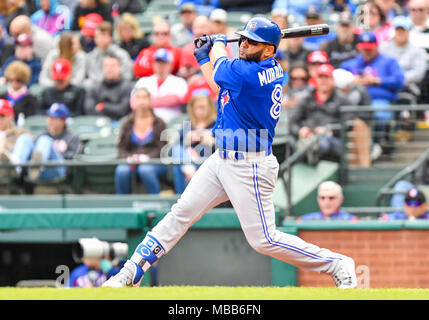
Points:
point(243, 168)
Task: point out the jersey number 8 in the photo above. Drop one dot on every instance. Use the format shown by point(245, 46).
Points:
point(276, 97)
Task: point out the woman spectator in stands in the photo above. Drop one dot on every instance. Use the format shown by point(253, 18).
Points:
point(196, 141)
point(52, 16)
point(68, 48)
point(297, 86)
point(375, 20)
point(17, 75)
point(131, 37)
point(85, 7)
point(140, 140)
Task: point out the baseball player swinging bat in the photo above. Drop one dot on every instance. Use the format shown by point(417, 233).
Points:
point(243, 169)
point(295, 32)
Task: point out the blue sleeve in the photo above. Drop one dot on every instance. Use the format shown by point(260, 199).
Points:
point(395, 77)
point(229, 73)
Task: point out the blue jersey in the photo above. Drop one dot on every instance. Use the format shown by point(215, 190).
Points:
point(249, 103)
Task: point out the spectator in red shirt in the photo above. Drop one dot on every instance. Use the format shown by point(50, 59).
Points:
point(161, 39)
point(188, 64)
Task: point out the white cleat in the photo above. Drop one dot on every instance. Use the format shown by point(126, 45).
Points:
point(345, 274)
point(129, 276)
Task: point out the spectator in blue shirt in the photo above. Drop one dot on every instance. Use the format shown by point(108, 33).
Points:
point(383, 78)
point(329, 198)
point(415, 207)
point(314, 17)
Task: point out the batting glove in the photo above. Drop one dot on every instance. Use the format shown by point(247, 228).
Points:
point(218, 37)
point(202, 49)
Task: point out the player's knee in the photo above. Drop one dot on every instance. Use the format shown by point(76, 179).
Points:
point(260, 245)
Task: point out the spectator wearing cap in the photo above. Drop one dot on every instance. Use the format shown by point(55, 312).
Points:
point(63, 91)
point(131, 37)
point(383, 78)
point(314, 60)
point(14, 141)
point(57, 143)
point(68, 48)
point(52, 16)
point(330, 197)
point(143, 66)
point(413, 203)
point(17, 75)
point(218, 23)
point(314, 112)
point(87, 32)
point(313, 17)
point(24, 52)
point(181, 32)
point(111, 96)
point(104, 46)
point(343, 47)
point(43, 42)
point(188, 64)
point(167, 90)
point(86, 7)
point(410, 58)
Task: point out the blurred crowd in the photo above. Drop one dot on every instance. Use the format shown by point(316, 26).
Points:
point(91, 57)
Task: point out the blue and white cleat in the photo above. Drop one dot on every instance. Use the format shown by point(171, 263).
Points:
point(129, 276)
point(345, 274)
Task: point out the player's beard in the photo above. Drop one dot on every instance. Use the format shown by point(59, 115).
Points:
point(255, 57)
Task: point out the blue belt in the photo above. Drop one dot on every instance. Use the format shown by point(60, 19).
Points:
point(241, 155)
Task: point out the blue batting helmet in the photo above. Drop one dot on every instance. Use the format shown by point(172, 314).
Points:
point(263, 30)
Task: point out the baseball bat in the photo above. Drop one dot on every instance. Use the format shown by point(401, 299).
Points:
point(298, 32)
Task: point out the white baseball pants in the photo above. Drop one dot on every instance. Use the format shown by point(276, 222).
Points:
point(249, 185)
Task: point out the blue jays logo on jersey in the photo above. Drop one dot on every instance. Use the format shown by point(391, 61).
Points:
point(224, 99)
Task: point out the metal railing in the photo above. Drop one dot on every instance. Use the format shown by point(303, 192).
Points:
point(387, 188)
point(285, 169)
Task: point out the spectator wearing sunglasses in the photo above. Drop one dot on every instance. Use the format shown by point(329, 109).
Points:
point(414, 206)
point(161, 38)
point(329, 198)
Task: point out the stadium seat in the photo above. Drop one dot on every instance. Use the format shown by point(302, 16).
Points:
point(36, 124)
point(89, 127)
point(97, 178)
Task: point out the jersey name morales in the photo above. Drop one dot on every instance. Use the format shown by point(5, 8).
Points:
point(269, 75)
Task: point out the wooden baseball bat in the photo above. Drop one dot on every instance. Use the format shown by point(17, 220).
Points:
point(298, 32)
